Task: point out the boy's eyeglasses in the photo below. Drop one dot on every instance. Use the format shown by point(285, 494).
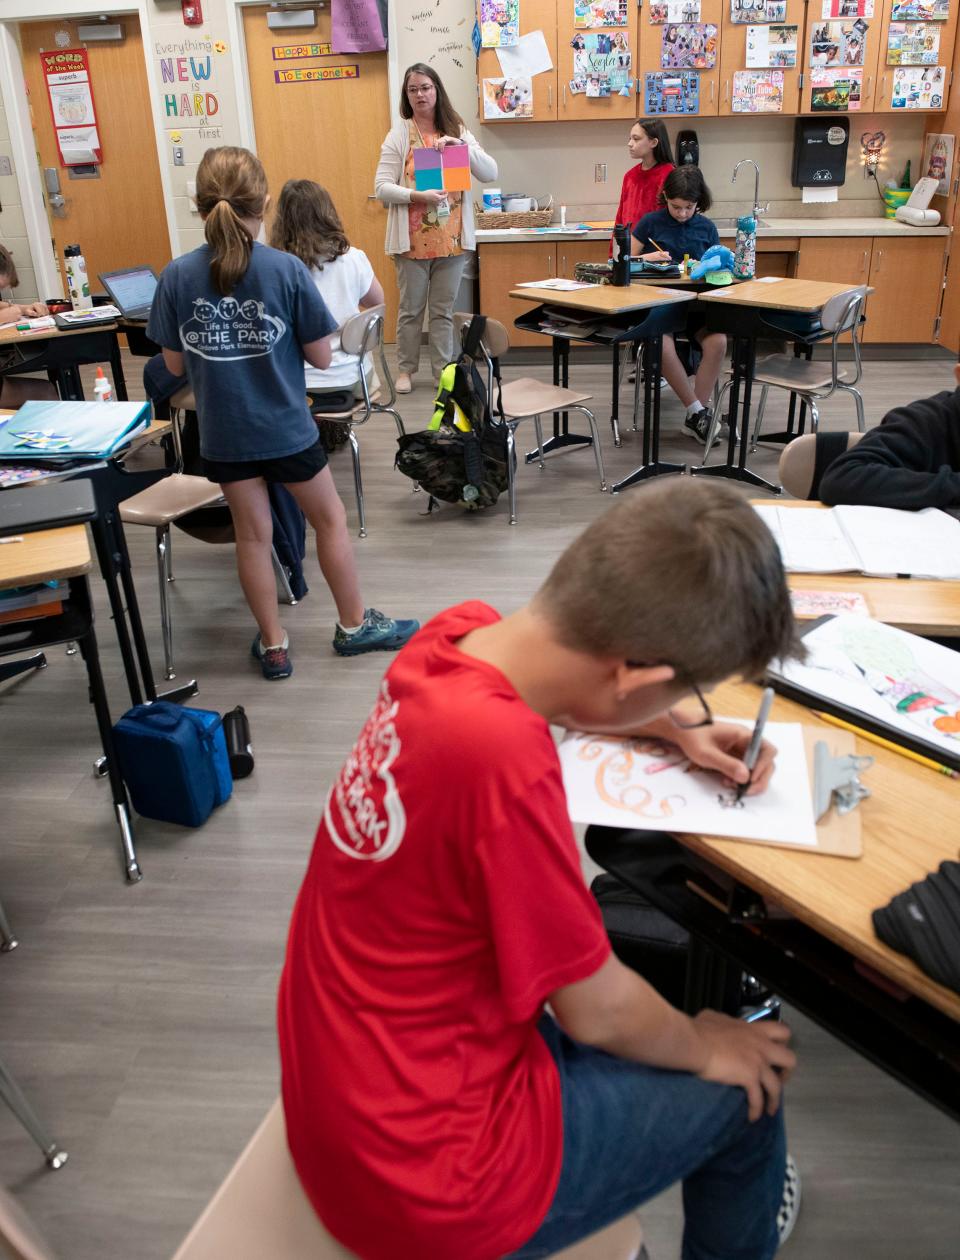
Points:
point(705, 716)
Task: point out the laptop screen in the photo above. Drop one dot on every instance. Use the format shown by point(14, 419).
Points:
point(132, 290)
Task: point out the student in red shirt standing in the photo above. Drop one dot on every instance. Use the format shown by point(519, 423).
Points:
point(649, 147)
point(433, 1110)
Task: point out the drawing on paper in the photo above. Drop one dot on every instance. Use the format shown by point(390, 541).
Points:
point(917, 88)
point(889, 667)
point(938, 160)
point(499, 23)
point(617, 770)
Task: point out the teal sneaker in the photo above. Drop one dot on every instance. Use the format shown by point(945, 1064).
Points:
point(274, 661)
point(377, 633)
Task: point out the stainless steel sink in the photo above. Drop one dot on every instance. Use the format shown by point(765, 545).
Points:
point(732, 222)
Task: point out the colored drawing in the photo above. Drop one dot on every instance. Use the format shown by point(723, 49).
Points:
point(918, 88)
point(773, 46)
point(758, 92)
point(938, 160)
point(588, 13)
point(811, 604)
point(920, 10)
point(689, 47)
point(674, 11)
point(508, 98)
point(499, 23)
point(846, 9)
point(677, 93)
point(649, 784)
point(835, 91)
point(913, 44)
point(838, 43)
point(758, 10)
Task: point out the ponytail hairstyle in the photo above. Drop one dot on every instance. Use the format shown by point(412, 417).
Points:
point(686, 183)
point(307, 224)
point(231, 185)
point(8, 268)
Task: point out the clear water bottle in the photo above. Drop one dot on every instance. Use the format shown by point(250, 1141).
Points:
point(78, 285)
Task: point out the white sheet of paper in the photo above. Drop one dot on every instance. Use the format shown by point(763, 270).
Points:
point(891, 541)
point(809, 541)
point(529, 56)
point(769, 279)
point(899, 678)
point(649, 785)
point(558, 283)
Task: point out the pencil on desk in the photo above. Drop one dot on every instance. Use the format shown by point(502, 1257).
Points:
point(656, 246)
point(890, 745)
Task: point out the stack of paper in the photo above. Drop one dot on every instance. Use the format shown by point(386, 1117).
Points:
point(881, 542)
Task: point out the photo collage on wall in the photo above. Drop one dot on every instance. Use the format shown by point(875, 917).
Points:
point(590, 13)
point(602, 59)
point(913, 44)
point(920, 10)
point(838, 43)
point(507, 98)
point(758, 91)
point(688, 46)
point(772, 46)
point(672, 92)
point(918, 87)
point(835, 91)
point(753, 11)
point(499, 23)
point(662, 11)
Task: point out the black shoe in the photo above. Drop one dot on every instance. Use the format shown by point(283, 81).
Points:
point(790, 1203)
point(697, 426)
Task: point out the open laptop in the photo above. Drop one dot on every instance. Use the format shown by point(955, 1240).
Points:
point(131, 289)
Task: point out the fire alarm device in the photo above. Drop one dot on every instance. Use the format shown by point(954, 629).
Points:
point(192, 12)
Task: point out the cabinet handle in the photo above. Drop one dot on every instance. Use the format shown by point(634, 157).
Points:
point(550, 96)
point(726, 89)
point(879, 260)
point(713, 84)
point(563, 90)
point(863, 265)
point(883, 87)
point(870, 85)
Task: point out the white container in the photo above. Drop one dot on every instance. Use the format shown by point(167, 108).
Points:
point(492, 203)
point(517, 204)
point(102, 389)
point(78, 285)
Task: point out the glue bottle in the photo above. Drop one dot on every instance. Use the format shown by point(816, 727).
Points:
point(78, 285)
point(102, 389)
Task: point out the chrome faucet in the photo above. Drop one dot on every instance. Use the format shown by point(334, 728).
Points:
point(758, 209)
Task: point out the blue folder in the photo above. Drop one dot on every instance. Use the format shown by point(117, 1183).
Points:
point(68, 430)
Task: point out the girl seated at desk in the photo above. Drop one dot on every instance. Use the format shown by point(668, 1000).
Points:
point(17, 390)
point(681, 229)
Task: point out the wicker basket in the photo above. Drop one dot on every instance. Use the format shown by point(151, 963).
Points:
point(520, 219)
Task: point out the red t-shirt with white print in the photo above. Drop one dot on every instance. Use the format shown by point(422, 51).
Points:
point(443, 903)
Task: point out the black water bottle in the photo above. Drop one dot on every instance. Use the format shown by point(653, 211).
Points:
point(236, 728)
point(620, 259)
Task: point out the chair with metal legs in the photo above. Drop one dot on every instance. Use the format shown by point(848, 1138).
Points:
point(812, 381)
point(8, 941)
point(527, 399)
point(17, 1101)
point(362, 335)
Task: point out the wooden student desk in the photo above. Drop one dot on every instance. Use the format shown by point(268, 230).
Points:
point(64, 554)
point(821, 953)
point(920, 605)
point(64, 350)
point(638, 312)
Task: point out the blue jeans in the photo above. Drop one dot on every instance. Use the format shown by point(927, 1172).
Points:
point(630, 1131)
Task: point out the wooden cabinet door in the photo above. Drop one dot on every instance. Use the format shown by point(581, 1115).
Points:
point(891, 84)
point(651, 50)
point(734, 57)
point(845, 260)
point(569, 253)
point(907, 276)
point(577, 105)
point(840, 35)
point(535, 15)
point(949, 332)
point(501, 268)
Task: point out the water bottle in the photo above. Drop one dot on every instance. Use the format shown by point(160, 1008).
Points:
point(236, 728)
point(620, 259)
point(745, 250)
point(78, 284)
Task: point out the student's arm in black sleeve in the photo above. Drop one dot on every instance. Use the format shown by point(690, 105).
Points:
point(908, 462)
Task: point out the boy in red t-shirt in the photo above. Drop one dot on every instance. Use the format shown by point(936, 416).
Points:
point(434, 1112)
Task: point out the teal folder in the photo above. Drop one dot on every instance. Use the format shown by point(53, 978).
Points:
point(68, 430)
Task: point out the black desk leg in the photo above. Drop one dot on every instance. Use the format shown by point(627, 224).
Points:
point(116, 365)
point(615, 395)
point(744, 361)
point(13, 668)
point(562, 437)
point(109, 567)
point(652, 465)
point(69, 386)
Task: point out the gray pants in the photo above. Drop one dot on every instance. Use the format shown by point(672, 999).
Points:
point(422, 282)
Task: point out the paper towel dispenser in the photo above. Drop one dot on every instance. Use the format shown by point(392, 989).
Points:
point(820, 152)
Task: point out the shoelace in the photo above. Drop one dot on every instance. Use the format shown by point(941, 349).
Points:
point(275, 656)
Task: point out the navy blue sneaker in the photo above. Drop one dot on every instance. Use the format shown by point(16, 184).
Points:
point(274, 661)
point(377, 633)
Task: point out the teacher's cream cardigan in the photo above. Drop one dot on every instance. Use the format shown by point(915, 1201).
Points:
point(393, 194)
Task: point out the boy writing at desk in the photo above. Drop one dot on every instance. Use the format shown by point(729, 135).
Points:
point(433, 1109)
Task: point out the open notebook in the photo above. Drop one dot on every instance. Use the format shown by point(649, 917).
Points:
point(881, 542)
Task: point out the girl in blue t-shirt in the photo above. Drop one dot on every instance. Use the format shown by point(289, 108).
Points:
point(239, 318)
point(682, 228)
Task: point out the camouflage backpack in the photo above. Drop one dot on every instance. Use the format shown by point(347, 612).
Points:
point(461, 457)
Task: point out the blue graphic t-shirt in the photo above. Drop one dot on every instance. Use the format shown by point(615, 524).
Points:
point(243, 354)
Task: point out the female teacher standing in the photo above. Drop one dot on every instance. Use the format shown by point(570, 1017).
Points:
point(427, 232)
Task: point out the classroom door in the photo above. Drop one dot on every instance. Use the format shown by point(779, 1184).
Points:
point(329, 130)
point(117, 218)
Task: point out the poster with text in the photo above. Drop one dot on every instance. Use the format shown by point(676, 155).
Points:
point(847, 9)
point(916, 87)
point(913, 44)
point(672, 93)
point(67, 75)
point(600, 54)
point(674, 11)
point(689, 47)
point(588, 13)
point(758, 92)
point(774, 46)
point(835, 91)
point(742, 11)
point(507, 98)
point(499, 23)
point(920, 10)
point(938, 160)
point(838, 43)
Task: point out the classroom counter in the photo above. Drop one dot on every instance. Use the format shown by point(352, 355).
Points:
point(770, 228)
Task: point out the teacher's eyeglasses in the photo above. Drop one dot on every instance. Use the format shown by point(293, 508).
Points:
point(420, 91)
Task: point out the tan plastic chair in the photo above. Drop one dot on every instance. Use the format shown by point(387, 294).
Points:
point(812, 380)
point(798, 463)
point(261, 1211)
point(360, 335)
point(163, 503)
point(527, 399)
